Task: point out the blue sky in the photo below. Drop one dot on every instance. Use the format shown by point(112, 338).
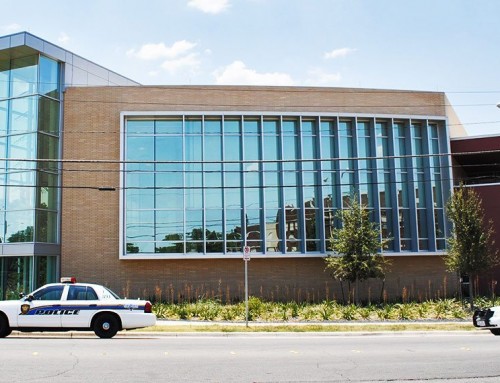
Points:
point(436, 45)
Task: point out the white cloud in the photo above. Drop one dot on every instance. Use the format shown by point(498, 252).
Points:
point(63, 38)
point(237, 73)
point(317, 76)
point(210, 6)
point(10, 28)
point(189, 62)
point(160, 50)
point(342, 52)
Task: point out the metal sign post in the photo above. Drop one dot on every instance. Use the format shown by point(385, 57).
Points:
point(246, 258)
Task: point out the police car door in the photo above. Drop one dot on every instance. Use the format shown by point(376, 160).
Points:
point(42, 308)
point(81, 305)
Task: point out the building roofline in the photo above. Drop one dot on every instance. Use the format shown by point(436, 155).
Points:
point(20, 39)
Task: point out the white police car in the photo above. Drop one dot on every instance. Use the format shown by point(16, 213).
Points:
point(488, 319)
point(74, 306)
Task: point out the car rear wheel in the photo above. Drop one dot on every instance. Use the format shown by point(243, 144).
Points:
point(5, 330)
point(495, 331)
point(106, 326)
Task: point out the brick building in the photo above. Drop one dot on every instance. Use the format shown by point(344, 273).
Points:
point(155, 190)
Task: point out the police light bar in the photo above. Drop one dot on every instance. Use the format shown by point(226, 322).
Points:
point(68, 280)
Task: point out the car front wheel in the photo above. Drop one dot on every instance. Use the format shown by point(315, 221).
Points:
point(106, 326)
point(5, 330)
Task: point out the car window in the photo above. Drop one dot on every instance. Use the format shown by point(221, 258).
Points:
point(81, 293)
point(50, 293)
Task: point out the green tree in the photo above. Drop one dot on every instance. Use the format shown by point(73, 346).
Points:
point(471, 246)
point(356, 246)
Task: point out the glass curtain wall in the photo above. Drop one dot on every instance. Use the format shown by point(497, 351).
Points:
point(209, 185)
point(29, 140)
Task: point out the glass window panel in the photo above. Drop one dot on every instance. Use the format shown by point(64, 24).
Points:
point(327, 152)
point(214, 231)
point(289, 127)
point(253, 230)
point(193, 149)
point(232, 188)
point(312, 230)
point(23, 116)
point(140, 225)
point(312, 246)
point(271, 127)
point(251, 126)
point(140, 127)
point(19, 226)
point(193, 191)
point(4, 80)
point(48, 149)
point(169, 247)
point(169, 186)
point(422, 223)
point(404, 223)
point(169, 225)
point(309, 147)
point(439, 223)
point(252, 148)
point(140, 247)
point(271, 150)
point(292, 233)
point(327, 127)
point(47, 192)
point(273, 233)
point(213, 126)
point(48, 115)
point(194, 247)
point(272, 196)
point(140, 190)
point(140, 148)
point(193, 125)
point(4, 117)
point(213, 151)
point(213, 189)
point(21, 190)
point(309, 128)
point(173, 126)
point(232, 126)
point(46, 226)
point(168, 148)
point(49, 77)
point(233, 224)
point(194, 225)
point(386, 225)
point(23, 79)
point(232, 148)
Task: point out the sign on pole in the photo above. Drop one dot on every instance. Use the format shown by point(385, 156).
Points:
point(246, 253)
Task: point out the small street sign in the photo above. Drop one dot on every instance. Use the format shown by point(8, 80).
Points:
point(246, 253)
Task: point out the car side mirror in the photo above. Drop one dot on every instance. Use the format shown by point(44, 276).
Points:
point(21, 295)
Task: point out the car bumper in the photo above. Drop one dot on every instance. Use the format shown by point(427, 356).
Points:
point(483, 319)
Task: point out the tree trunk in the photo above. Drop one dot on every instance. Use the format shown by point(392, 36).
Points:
point(471, 293)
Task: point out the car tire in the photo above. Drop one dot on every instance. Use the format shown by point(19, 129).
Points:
point(106, 326)
point(495, 331)
point(5, 330)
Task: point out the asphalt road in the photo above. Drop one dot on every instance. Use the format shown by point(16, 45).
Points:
point(400, 357)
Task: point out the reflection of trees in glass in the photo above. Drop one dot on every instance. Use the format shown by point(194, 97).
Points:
point(171, 248)
point(132, 249)
point(25, 235)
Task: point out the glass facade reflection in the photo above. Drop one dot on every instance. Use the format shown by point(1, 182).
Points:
point(207, 185)
point(29, 196)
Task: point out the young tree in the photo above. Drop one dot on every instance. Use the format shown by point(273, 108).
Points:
point(471, 246)
point(356, 247)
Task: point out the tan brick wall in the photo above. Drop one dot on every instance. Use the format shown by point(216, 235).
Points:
point(90, 218)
